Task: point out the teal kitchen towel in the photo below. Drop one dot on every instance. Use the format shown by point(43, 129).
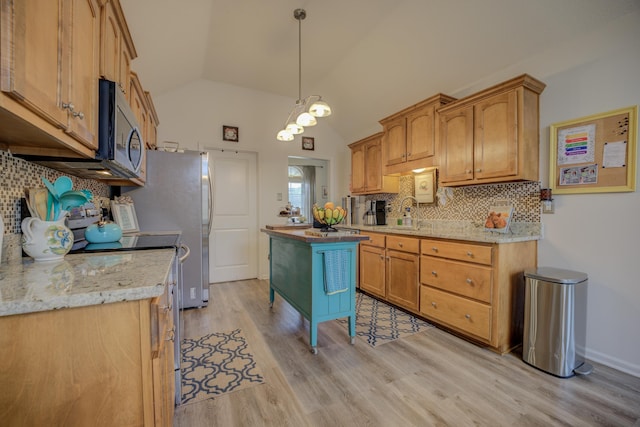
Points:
point(336, 271)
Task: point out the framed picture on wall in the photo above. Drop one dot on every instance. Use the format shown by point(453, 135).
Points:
point(230, 133)
point(308, 143)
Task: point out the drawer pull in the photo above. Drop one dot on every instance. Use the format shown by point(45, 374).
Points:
point(470, 254)
point(469, 281)
point(434, 273)
point(400, 244)
point(467, 316)
point(433, 303)
point(434, 249)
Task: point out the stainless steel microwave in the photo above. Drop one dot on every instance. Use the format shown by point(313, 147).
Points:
point(119, 136)
point(120, 145)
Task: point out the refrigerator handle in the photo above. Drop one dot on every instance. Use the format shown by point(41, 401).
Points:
point(210, 200)
point(187, 252)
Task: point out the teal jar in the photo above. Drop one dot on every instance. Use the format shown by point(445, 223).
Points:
point(103, 232)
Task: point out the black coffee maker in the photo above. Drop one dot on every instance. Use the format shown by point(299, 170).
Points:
point(381, 212)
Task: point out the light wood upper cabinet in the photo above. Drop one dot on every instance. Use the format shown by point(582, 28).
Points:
point(49, 59)
point(84, 31)
point(366, 168)
point(410, 136)
point(117, 46)
point(152, 124)
point(492, 136)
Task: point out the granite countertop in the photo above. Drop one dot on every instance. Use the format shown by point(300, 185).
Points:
point(314, 235)
point(459, 230)
point(83, 279)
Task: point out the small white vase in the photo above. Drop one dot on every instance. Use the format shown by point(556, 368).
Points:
point(46, 240)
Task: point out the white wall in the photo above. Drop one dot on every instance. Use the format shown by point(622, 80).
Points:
point(194, 115)
point(597, 234)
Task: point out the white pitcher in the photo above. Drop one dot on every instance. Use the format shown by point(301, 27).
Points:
point(46, 240)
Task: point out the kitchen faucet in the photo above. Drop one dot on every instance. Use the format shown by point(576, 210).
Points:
point(402, 201)
point(416, 223)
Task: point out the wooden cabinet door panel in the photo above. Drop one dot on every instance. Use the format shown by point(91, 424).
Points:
point(402, 279)
point(84, 30)
point(460, 313)
point(496, 136)
point(373, 162)
point(404, 244)
point(372, 270)
point(395, 141)
point(456, 158)
point(33, 60)
point(469, 252)
point(357, 169)
point(421, 133)
point(469, 280)
point(375, 239)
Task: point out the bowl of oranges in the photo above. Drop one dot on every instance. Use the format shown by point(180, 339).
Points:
point(329, 215)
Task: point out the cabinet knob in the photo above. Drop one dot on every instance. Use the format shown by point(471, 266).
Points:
point(434, 249)
point(470, 254)
point(468, 171)
point(67, 106)
point(381, 256)
point(400, 244)
point(467, 316)
point(469, 281)
point(433, 303)
point(478, 170)
point(434, 273)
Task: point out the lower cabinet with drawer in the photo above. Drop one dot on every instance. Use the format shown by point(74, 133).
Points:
point(476, 289)
point(389, 269)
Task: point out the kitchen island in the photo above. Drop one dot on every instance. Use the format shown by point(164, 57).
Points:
point(86, 340)
point(315, 272)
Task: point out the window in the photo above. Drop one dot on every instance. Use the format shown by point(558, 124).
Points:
point(296, 195)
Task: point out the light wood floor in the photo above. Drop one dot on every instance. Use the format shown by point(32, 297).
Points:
point(428, 379)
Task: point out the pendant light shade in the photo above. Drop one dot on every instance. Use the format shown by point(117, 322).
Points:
point(284, 135)
point(306, 119)
point(320, 109)
point(306, 109)
point(294, 128)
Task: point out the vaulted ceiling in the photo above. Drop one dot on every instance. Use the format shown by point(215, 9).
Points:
point(367, 58)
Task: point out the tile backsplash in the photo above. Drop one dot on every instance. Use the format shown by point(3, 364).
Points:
point(469, 203)
point(17, 174)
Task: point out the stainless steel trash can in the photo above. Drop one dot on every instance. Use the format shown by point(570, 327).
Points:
point(555, 317)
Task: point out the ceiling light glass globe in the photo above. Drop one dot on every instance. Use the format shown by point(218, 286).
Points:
point(306, 119)
point(294, 128)
point(284, 135)
point(320, 109)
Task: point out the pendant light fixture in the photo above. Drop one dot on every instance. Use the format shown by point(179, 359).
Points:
point(306, 110)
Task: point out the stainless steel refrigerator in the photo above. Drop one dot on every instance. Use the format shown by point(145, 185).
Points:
point(177, 197)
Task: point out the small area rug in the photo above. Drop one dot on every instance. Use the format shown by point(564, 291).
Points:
point(216, 364)
point(380, 323)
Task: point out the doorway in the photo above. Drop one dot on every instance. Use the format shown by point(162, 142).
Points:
point(233, 242)
point(308, 184)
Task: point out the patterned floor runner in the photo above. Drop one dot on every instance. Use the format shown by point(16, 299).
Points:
point(380, 323)
point(216, 364)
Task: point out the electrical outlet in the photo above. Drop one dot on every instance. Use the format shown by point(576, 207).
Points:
point(279, 197)
point(192, 293)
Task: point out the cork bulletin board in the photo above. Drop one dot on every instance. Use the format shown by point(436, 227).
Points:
point(594, 154)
